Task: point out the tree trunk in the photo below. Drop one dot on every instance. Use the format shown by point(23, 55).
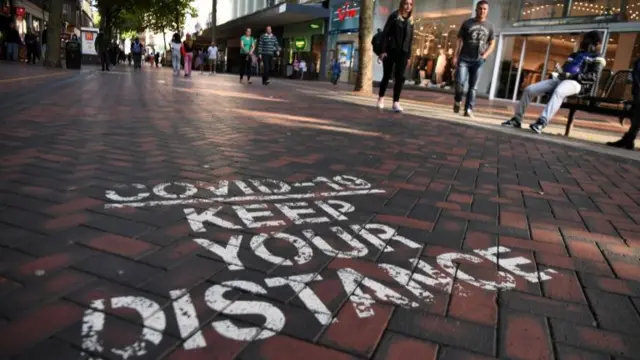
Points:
point(52, 59)
point(214, 18)
point(364, 80)
point(164, 39)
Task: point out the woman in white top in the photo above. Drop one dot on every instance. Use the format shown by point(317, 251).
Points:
point(176, 44)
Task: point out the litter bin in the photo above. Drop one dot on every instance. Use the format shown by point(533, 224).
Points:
point(73, 55)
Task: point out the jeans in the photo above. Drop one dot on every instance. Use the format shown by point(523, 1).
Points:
point(468, 71)
point(559, 90)
point(396, 63)
point(188, 60)
point(267, 61)
point(12, 51)
point(245, 66)
point(175, 62)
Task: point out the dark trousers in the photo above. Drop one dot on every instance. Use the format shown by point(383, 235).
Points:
point(32, 52)
point(395, 63)
point(245, 67)
point(104, 60)
point(137, 61)
point(633, 131)
point(267, 61)
point(468, 71)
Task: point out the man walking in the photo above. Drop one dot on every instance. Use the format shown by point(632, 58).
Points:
point(628, 139)
point(136, 51)
point(212, 58)
point(475, 44)
point(13, 43)
point(267, 48)
point(102, 44)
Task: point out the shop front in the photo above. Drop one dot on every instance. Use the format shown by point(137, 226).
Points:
point(302, 42)
point(534, 37)
point(344, 23)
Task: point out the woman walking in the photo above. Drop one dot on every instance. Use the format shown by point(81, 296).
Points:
point(247, 47)
point(187, 51)
point(176, 49)
point(397, 37)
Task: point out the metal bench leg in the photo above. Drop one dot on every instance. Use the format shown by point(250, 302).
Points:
point(567, 130)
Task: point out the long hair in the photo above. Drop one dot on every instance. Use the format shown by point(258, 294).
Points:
point(176, 38)
point(189, 40)
point(410, 17)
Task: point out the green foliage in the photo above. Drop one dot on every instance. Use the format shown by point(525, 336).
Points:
point(137, 15)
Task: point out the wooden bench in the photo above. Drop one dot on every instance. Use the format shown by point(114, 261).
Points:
point(614, 99)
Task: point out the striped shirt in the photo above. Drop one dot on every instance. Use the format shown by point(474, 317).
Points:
point(268, 44)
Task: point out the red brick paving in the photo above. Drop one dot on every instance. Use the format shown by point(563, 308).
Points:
point(493, 246)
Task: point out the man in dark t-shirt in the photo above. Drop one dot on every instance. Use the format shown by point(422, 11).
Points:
point(475, 44)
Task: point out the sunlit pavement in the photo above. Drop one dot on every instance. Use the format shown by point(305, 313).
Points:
point(146, 216)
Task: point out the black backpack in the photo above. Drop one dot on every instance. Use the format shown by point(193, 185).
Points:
point(376, 42)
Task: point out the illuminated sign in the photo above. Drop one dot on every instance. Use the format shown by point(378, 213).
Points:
point(345, 16)
point(300, 44)
point(20, 11)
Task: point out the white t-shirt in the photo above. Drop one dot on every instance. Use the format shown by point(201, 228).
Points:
point(213, 52)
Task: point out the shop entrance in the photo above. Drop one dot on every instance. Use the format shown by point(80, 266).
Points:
point(529, 58)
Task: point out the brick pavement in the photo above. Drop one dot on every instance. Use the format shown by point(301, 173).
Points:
point(149, 217)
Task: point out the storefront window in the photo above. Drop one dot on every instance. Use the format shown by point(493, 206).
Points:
point(595, 7)
point(541, 9)
point(633, 10)
point(436, 28)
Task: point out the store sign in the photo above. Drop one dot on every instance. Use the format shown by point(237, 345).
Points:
point(88, 39)
point(300, 44)
point(345, 16)
point(20, 11)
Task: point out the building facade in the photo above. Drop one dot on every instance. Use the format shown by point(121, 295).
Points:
point(300, 26)
point(531, 35)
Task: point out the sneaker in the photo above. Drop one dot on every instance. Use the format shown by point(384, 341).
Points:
point(396, 107)
point(380, 104)
point(538, 126)
point(469, 114)
point(456, 107)
point(513, 123)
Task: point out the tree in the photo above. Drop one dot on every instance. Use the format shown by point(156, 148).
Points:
point(364, 80)
point(52, 58)
point(214, 18)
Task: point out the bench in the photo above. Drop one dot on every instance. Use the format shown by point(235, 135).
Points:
point(613, 99)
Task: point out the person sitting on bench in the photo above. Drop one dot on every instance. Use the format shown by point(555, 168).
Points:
point(577, 76)
point(628, 139)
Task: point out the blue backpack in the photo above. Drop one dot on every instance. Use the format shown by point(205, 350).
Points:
point(137, 49)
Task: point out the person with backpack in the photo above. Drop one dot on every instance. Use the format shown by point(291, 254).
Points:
point(394, 50)
point(628, 139)
point(136, 51)
point(247, 47)
point(578, 75)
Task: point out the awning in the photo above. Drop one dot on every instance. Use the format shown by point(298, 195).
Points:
point(279, 15)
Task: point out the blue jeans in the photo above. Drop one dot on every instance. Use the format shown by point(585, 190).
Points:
point(468, 70)
point(12, 51)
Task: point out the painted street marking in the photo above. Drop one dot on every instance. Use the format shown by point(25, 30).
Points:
point(418, 283)
point(33, 77)
point(245, 198)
